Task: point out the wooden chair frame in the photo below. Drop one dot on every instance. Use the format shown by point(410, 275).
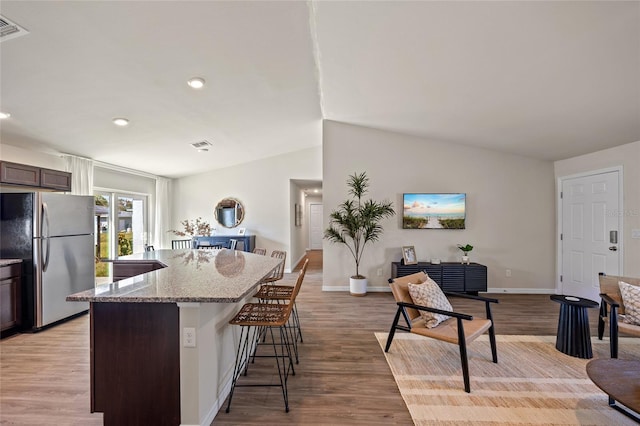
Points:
point(460, 319)
point(610, 307)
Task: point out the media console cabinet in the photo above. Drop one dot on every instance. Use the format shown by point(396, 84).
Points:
point(451, 276)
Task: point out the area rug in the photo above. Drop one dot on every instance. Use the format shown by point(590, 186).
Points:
point(533, 383)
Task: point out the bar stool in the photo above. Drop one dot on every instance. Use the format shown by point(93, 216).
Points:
point(255, 318)
point(279, 294)
point(277, 274)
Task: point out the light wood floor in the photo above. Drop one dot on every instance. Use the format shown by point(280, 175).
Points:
point(342, 377)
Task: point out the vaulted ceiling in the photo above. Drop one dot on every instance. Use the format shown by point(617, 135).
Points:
point(549, 80)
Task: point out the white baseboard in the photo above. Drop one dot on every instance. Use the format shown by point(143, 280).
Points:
point(385, 289)
point(522, 290)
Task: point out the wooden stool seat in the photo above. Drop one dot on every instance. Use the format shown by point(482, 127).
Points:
point(261, 314)
point(275, 292)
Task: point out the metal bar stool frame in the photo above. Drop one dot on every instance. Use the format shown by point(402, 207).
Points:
point(256, 319)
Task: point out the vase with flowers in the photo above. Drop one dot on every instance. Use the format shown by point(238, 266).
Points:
point(193, 228)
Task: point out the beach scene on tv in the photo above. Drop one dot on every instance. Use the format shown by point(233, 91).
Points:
point(434, 211)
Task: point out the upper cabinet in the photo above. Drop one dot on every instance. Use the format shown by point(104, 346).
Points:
point(55, 179)
point(36, 177)
point(19, 174)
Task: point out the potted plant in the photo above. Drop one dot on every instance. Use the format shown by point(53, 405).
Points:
point(465, 250)
point(355, 223)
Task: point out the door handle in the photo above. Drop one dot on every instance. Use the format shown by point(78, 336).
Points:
point(613, 248)
point(45, 236)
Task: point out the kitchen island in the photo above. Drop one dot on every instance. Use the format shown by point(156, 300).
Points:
point(162, 351)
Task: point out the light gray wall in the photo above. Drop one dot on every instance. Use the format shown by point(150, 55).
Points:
point(263, 187)
point(627, 156)
point(510, 206)
point(48, 160)
point(122, 181)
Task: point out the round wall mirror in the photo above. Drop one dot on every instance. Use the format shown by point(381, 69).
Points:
point(229, 212)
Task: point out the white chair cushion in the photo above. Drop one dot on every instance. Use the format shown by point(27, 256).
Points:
point(430, 295)
point(631, 299)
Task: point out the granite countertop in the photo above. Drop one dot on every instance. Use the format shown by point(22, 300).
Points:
point(199, 276)
point(7, 262)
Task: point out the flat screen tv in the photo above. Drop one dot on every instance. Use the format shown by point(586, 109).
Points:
point(434, 211)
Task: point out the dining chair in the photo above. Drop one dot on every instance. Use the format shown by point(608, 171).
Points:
point(260, 251)
point(209, 246)
point(180, 244)
point(233, 244)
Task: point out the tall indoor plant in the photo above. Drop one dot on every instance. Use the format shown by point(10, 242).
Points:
point(357, 222)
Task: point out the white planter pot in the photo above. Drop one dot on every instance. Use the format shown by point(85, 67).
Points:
point(465, 259)
point(358, 286)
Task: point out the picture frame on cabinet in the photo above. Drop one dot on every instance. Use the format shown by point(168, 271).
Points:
point(242, 231)
point(409, 255)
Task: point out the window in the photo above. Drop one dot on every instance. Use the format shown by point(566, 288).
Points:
point(121, 222)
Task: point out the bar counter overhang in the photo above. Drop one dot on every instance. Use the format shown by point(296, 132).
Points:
point(141, 373)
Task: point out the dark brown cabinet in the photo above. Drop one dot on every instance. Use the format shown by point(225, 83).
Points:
point(35, 177)
point(10, 277)
point(451, 276)
point(19, 174)
point(55, 179)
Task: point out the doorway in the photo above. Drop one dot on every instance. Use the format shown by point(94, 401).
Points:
point(120, 226)
point(590, 231)
point(315, 226)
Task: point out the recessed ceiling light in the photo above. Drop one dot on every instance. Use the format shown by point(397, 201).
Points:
point(120, 122)
point(4, 115)
point(196, 83)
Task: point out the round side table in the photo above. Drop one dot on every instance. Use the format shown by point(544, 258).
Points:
point(574, 337)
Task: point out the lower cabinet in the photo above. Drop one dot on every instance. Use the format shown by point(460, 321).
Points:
point(10, 297)
point(451, 276)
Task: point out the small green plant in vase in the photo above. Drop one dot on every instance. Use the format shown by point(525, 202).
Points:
point(465, 250)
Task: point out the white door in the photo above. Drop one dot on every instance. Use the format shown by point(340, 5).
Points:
point(315, 226)
point(590, 232)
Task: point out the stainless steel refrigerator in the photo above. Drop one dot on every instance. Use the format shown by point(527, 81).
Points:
point(53, 235)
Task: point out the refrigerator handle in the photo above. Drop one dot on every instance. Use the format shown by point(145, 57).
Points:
point(45, 217)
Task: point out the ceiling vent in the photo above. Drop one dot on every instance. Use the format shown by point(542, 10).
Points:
point(202, 145)
point(9, 30)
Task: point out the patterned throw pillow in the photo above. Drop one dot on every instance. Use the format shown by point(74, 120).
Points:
point(429, 294)
point(631, 299)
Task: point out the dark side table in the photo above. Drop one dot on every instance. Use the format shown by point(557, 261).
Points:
point(574, 337)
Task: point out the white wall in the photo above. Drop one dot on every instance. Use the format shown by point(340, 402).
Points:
point(262, 186)
point(627, 156)
point(510, 206)
point(48, 160)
